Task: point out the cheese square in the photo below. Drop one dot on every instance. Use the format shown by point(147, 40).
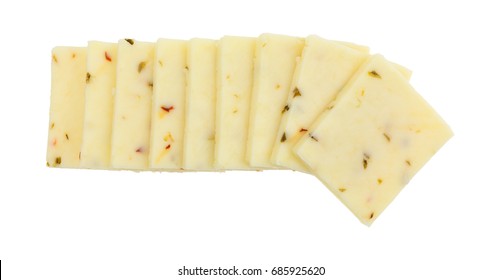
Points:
point(200, 116)
point(130, 138)
point(324, 68)
point(98, 116)
point(234, 82)
point(274, 65)
point(66, 106)
point(168, 114)
point(368, 146)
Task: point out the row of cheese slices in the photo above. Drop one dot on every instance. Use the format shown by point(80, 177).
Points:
point(274, 102)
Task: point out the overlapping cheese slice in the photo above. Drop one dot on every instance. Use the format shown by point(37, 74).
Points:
point(373, 139)
point(324, 68)
point(66, 106)
point(235, 67)
point(98, 116)
point(200, 115)
point(168, 114)
point(276, 57)
point(130, 140)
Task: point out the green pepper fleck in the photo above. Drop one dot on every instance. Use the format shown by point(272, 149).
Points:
point(296, 92)
point(140, 67)
point(130, 41)
point(374, 74)
point(388, 138)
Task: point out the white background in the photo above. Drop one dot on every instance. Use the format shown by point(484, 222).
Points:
point(78, 224)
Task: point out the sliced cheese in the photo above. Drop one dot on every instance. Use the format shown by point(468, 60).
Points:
point(274, 66)
point(324, 68)
point(373, 141)
point(234, 82)
point(200, 113)
point(98, 116)
point(130, 139)
point(167, 119)
point(66, 107)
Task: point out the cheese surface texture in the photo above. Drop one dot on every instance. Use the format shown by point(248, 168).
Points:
point(274, 65)
point(66, 106)
point(98, 116)
point(324, 68)
point(200, 116)
point(130, 139)
point(373, 141)
point(167, 120)
point(234, 87)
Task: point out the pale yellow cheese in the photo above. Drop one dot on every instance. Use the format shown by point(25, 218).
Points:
point(168, 114)
point(200, 105)
point(324, 68)
point(274, 66)
point(371, 141)
point(66, 107)
point(130, 139)
point(234, 82)
point(98, 116)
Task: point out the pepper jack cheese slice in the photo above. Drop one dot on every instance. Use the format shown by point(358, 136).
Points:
point(324, 68)
point(167, 120)
point(200, 105)
point(373, 141)
point(234, 82)
point(66, 107)
point(98, 116)
point(132, 113)
point(273, 70)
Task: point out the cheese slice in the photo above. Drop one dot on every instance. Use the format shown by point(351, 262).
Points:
point(130, 138)
point(373, 141)
point(98, 116)
point(200, 113)
point(168, 114)
point(324, 68)
point(234, 82)
point(274, 66)
point(66, 107)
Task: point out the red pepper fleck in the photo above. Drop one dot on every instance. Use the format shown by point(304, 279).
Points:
point(167, 109)
point(167, 147)
point(139, 150)
point(54, 142)
point(303, 130)
point(107, 56)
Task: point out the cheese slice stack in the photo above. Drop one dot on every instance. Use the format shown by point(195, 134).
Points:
point(327, 108)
